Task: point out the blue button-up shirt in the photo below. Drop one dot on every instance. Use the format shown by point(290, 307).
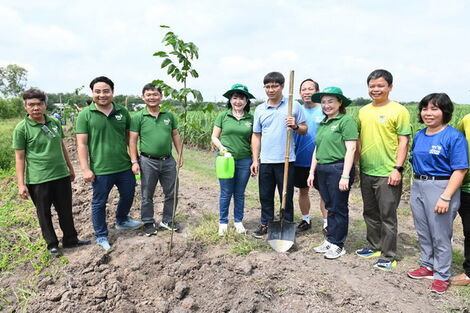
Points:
point(270, 122)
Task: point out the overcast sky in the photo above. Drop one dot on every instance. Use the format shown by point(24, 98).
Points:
point(65, 44)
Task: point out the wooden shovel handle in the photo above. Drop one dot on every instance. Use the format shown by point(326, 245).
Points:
point(287, 151)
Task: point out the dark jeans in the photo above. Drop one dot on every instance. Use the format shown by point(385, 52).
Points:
point(125, 182)
point(381, 202)
point(234, 187)
point(271, 176)
point(58, 193)
point(336, 201)
point(464, 212)
point(152, 172)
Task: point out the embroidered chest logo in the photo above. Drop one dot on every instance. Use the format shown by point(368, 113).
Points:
point(248, 124)
point(55, 129)
point(167, 121)
point(435, 149)
point(382, 119)
point(333, 127)
point(118, 117)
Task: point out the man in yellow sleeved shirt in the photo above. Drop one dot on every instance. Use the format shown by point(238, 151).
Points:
point(384, 130)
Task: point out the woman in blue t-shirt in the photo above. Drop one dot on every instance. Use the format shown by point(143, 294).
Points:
point(440, 161)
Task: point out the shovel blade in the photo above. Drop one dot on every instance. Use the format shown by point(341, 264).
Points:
point(281, 235)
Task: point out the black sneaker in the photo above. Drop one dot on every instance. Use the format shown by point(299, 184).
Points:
point(167, 226)
point(150, 229)
point(54, 251)
point(261, 231)
point(304, 226)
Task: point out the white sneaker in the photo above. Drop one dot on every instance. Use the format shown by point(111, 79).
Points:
point(239, 228)
point(334, 252)
point(222, 229)
point(323, 247)
point(103, 242)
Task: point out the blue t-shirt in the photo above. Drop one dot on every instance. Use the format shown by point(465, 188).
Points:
point(439, 154)
point(271, 123)
point(305, 144)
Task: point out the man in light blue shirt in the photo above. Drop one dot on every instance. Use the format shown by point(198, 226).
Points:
point(268, 143)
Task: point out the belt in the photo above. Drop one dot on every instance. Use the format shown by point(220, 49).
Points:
point(154, 157)
point(426, 177)
point(335, 162)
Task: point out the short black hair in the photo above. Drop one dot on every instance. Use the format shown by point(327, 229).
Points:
point(34, 93)
point(151, 86)
point(88, 102)
point(242, 95)
point(442, 101)
point(274, 77)
point(317, 87)
point(381, 73)
point(102, 79)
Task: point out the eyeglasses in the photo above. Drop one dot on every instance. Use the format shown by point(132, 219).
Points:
point(274, 86)
point(34, 104)
point(49, 132)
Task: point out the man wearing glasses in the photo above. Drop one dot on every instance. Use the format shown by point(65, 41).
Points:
point(268, 143)
point(44, 171)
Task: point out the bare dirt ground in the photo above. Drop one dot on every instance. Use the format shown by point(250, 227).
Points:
point(138, 275)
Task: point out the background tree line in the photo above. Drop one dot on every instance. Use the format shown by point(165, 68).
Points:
point(13, 81)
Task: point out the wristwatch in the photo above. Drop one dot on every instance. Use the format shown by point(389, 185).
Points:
point(398, 168)
point(296, 127)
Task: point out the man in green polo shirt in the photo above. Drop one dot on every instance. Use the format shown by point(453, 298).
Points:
point(102, 136)
point(155, 130)
point(41, 155)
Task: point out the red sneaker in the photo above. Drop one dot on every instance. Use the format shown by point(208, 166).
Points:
point(439, 286)
point(420, 273)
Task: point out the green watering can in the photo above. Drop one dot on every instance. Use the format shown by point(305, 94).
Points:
point(225, 166)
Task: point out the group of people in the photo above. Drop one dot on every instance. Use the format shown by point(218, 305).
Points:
point(104, 132)
point(327, 144)
point(114, 147)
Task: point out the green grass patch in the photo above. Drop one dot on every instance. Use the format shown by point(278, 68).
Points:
point(239, 244)
point(18, 248)
point(7, 154)
point(405, 211)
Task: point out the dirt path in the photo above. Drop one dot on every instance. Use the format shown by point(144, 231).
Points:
point(137, 275)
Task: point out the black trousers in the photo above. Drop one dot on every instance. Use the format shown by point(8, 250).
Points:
point(271, 175)
point(59, 193)
point(464, 212)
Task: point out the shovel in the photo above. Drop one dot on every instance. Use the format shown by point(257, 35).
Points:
point(281, 233)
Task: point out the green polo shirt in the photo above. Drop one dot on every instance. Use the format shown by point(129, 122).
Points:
point(107, 138)
point(42, 144)
point(236, 134)
point(331, 136)
point(155, 133)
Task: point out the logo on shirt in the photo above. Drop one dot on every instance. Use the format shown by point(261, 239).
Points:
point(382, 119)
point(333, 127)
point(118, 117)
point(248, 124)
point(55, 129)
point(167, 121)
point(435, 150)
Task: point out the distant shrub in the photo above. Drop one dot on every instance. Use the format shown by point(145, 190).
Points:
point(11, 108)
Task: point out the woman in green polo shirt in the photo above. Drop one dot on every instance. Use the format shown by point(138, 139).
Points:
point(232, 134)
point(332, 162)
